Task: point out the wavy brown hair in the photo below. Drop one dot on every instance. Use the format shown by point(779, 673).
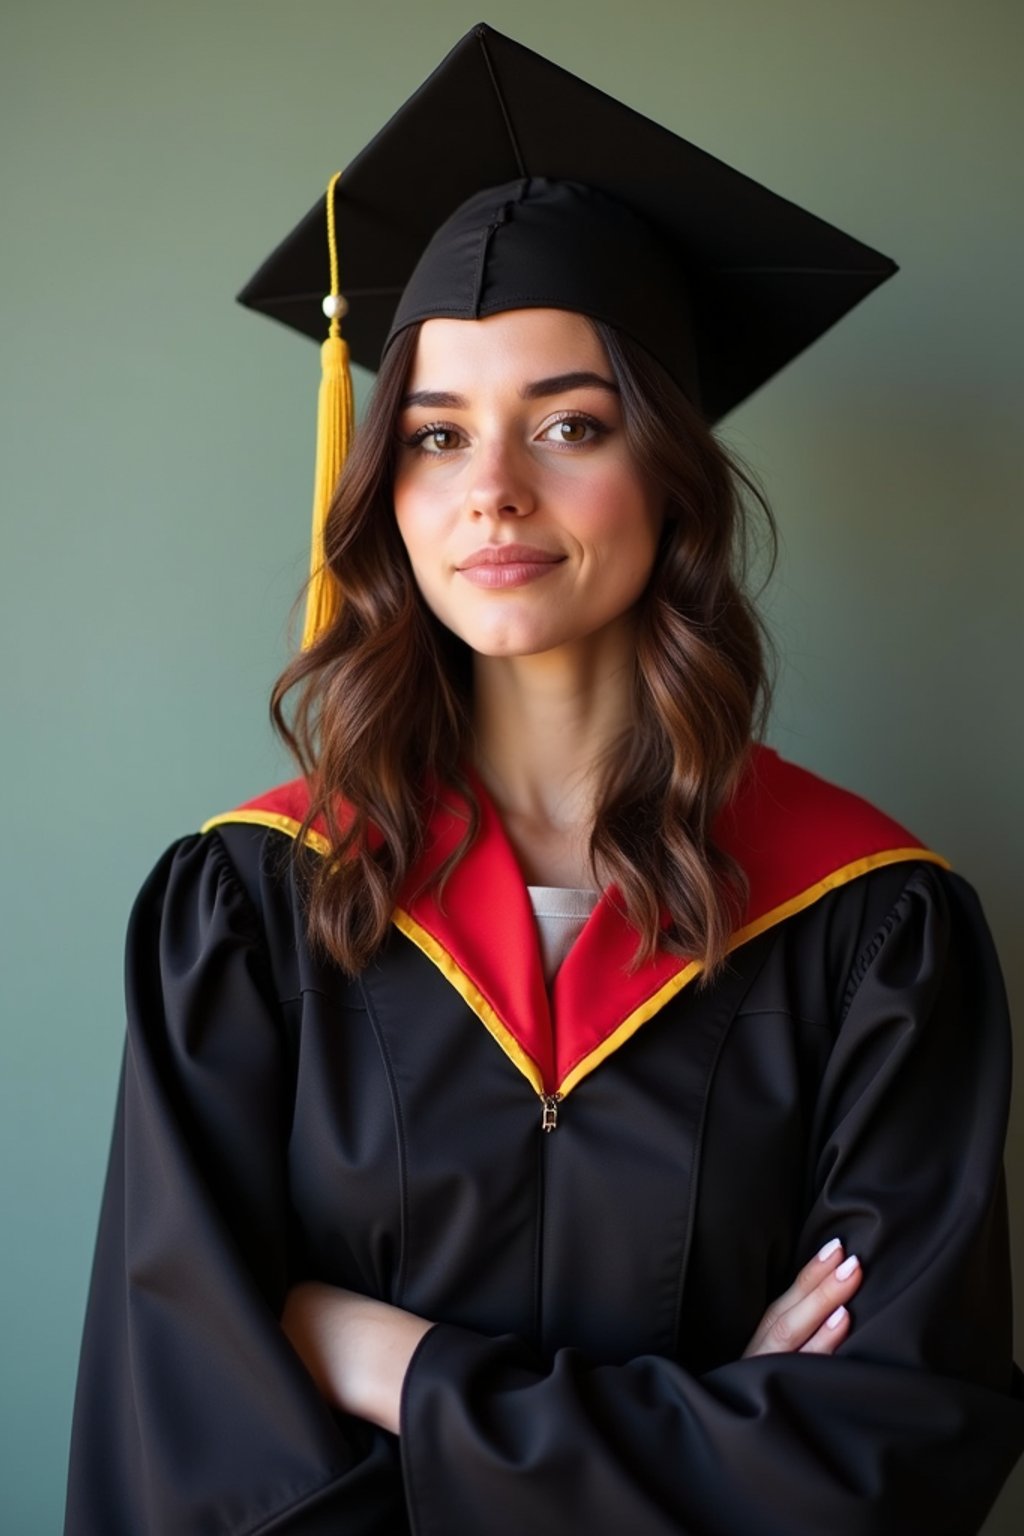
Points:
point(384, 697)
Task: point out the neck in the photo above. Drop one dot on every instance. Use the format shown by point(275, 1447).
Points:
point(543, 724)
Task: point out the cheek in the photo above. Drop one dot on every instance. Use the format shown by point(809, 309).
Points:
point(620, 518)
point(421, 531)
point(416, 527)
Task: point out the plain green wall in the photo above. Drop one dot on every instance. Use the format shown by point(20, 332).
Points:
point(157, 456)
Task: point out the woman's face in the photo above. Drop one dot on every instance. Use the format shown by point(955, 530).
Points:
point(511, 433)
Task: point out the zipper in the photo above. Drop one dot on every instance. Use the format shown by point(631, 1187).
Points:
point(549, 1103)
point(549, 1111)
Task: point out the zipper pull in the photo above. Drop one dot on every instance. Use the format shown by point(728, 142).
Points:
point(549, 1111)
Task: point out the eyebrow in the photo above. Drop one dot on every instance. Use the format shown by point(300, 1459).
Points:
point(559, 384)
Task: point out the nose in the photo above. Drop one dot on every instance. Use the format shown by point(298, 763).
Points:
point(498, 480)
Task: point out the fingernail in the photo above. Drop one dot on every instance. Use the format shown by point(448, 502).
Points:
point(847, 1267)
point(830, 1247)
point(836, 1318)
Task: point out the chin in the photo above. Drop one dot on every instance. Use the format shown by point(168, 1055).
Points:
point(519, 646)
point(526, 634)
point(503, 635)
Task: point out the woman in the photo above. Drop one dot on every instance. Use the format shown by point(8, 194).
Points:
point(423, 1214)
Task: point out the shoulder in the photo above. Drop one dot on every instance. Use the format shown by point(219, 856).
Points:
point(790, 811)
point(264, 835)
point(799, 837)
point(282, 808)
point(234, 884)
point(837, 877)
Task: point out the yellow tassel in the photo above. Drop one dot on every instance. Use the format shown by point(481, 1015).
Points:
point(334, 428)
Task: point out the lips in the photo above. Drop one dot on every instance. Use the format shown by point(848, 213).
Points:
point(510, 554)
point(507, 567)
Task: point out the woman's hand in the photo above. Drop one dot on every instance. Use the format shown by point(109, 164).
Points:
point(357, 1350)
point(811, 1317)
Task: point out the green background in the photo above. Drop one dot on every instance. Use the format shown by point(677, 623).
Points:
point(157, 452)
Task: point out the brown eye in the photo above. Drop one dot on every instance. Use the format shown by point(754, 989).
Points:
point(572, 431)
point(575, 431)
point(433, 440)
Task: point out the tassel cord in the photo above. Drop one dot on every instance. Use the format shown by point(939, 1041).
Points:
point(334, 431)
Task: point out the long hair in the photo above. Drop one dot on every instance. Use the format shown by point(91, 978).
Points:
point(384, 701)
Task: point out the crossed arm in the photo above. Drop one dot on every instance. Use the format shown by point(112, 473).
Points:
point(358, 1350)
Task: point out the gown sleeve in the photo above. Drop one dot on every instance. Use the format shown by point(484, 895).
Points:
point(193, 1413)
point(910, 1427)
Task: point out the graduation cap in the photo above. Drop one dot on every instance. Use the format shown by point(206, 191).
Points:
point(507, 182)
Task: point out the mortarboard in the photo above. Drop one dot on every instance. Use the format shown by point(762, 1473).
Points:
point(506, 182)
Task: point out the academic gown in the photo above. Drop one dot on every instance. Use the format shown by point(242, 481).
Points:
point(594, 1284)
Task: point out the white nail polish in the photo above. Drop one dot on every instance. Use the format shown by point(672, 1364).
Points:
point(847, 1267)
point(836, 1318)
point(830, 1247)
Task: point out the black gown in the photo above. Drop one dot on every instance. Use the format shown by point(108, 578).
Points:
point(593, 1287)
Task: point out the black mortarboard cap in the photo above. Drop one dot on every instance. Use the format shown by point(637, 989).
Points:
point(506, 182)
point(739, 280)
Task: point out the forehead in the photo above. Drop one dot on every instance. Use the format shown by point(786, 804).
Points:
point(520, 343)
